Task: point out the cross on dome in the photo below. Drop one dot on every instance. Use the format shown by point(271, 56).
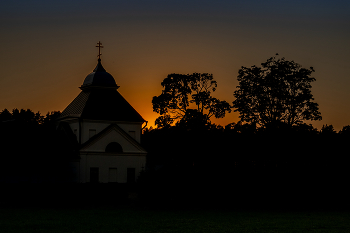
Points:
point(99, 78)
point(99, 45)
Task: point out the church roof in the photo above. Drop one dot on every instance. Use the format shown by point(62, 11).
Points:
point(100, 100)
point(102, 105)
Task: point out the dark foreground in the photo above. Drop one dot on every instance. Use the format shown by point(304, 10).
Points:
point(135, 219)
point(131, 208)
point(247, 196)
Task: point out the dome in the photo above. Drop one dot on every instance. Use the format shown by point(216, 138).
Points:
point(99, 78)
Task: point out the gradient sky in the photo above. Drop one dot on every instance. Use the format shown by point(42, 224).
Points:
point(48, 48)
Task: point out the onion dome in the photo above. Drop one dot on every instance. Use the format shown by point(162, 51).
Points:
point(99, 78)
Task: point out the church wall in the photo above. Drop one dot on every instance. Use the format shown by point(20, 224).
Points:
point(129, 127)
point(113, 136)
point(88, 126)
point(75, 128)
point(106, 163)
point(133, 129)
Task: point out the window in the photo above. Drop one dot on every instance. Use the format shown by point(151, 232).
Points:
point(94, 174)
point(114, 147)
point(92, 132)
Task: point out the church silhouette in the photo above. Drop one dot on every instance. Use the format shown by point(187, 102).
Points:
point(106, 130)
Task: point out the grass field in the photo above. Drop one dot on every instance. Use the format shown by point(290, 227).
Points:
point(132, 219)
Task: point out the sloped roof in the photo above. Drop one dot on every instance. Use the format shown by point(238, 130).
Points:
point(100, 100)
point(102, 104)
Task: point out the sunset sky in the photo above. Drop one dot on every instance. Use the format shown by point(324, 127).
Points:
point(48, 48)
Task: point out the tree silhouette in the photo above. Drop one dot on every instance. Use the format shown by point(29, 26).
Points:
point(276, 93)
point(328, 130)
point(184, 92)
point(345, 131)
point(5, 115)
point(30, 145)
point(194, 120)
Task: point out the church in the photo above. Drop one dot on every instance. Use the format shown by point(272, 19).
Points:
point(106, 129)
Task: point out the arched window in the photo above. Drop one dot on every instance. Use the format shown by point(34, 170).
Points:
point(114, 147)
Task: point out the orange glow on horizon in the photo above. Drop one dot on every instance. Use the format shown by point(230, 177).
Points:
point(50, 50)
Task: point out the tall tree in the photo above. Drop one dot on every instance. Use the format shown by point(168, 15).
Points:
point(5, 115)
point(277, 92)
point(184, 92)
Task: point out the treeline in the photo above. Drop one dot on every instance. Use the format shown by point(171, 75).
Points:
point(240, 163)
point(244, 142)
point(31, 149)
point(270, 156)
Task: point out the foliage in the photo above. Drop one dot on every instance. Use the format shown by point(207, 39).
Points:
point(182, 92)
point(242, 157)
point(277, 92)
point(194, 120)
point(328, 130)
point(30, 145)
point(345, 130)
point(28, 116)
point(241, 128)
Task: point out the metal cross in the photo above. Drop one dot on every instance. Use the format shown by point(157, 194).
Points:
point(99, 45)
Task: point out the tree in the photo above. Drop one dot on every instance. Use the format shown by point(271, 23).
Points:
point(51, 117)
point(187, 92)
point(345, 131)
point(5, 115)
point(328, 130)
point(276, 93)
point(194, 119)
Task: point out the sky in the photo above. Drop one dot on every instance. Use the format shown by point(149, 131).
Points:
point(48, 48)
